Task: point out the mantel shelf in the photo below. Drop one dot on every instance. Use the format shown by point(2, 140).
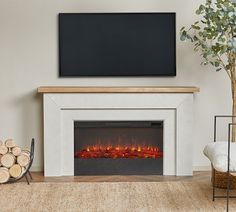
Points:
point(138, 89)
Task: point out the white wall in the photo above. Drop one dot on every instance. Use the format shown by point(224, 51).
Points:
point(28, 59)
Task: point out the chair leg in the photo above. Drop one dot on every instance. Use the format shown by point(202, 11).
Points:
point(27, 179)
point(30, 175)
point(228, 185)
point(213, 183)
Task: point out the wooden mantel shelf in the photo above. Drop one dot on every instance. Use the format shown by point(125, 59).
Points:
point(138, 89)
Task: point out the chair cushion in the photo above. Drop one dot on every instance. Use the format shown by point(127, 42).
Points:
point(217, 153)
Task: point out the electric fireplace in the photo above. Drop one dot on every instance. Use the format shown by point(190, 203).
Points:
point(118, 148)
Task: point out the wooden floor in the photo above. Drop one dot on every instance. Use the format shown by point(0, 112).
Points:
point(197, 176)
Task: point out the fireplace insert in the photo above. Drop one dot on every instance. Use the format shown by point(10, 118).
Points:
point(118, 148)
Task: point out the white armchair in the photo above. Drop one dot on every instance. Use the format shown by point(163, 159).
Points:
point(222, 155)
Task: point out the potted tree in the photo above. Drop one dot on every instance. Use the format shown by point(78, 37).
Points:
point(214, 36)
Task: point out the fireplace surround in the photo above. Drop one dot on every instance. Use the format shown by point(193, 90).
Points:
point(171, 105)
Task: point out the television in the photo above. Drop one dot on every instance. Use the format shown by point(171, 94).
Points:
point(117, 44)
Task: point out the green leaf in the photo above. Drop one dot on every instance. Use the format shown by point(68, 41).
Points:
point(195, 27)
point(195, 38)
point(198, 12)
point(213, 36)
point(200, 33)
point(183, 37)
point(217, 64)
point(201, 7)
point(228, 67)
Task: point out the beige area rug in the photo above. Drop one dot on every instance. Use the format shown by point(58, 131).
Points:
point(110, 197)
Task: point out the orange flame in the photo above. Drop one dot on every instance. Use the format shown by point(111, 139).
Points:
point(119, 152)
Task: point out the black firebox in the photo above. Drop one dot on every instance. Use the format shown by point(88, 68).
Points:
point(118, 148)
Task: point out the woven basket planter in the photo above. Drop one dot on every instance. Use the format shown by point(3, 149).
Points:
point(221, 179)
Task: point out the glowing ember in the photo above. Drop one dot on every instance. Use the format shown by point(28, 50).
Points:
point(119, 152)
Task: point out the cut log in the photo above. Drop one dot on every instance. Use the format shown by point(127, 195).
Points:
point(23, 159)
point(15, 171)
point(10, 143)
point(26, 151)
point(23, 169)
point(8, 160)
point(0, 159)
point(3, 150)
point(4, 175)
point(16, 151)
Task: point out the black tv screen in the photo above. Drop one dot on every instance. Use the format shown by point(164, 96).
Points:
point(117, 44)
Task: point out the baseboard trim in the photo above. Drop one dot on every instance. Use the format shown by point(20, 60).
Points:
point(202, 168)
point(36, 169)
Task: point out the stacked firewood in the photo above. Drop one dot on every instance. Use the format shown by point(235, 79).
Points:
point(13, 160)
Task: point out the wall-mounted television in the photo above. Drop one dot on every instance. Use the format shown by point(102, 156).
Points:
point(117, 44)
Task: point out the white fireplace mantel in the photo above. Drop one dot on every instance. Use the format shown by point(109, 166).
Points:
point(64, 105)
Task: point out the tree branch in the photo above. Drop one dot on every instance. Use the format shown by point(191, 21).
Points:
point(224, 66)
